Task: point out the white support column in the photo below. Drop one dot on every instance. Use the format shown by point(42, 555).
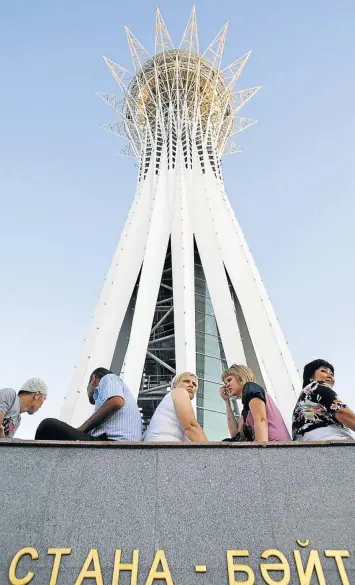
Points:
point(211, 258)
point(101, 341)
point(280, 338)
point(263, 327)
point(158, 237)
point(182, 249)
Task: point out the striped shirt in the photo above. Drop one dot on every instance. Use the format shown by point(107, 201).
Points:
point(125, 424)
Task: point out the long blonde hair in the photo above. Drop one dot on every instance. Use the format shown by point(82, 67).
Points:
point(177, 379)
point(242, 373)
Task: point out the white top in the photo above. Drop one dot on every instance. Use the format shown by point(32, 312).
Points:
point(329, 433)
point(164, 425)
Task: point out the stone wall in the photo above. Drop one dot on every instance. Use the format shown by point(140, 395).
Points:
point(192, 502)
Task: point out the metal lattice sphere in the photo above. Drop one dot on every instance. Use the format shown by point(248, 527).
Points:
point(179, 93)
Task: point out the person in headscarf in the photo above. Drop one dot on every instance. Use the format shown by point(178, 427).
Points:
point(319, 414)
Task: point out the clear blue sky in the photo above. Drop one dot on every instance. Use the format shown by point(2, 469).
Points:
point(64, 194)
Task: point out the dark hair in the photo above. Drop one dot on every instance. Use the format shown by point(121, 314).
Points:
point(100, 373)
point(310, 368)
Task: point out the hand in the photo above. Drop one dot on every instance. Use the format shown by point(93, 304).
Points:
point(223, 394)
point(2, 432)
point(81, 428)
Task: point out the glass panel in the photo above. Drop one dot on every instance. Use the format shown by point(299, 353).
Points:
point(206, 323)
point(211, 367)
point(200, 287)
point(210, 361)
point(203, 304)
point(210, 344)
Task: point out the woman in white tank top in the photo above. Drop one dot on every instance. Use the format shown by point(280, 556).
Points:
point(174, 419)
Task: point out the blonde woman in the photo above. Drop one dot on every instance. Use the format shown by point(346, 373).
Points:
point(259, 410)
point(174, 419)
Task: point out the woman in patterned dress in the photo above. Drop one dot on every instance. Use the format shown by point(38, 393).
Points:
point(319, 414)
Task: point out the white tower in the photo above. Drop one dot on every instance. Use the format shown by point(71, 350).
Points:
point(183, 291)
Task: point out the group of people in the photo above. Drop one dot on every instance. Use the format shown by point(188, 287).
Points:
point(319, 413)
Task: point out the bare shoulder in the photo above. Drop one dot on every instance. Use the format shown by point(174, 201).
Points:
point(180, 394)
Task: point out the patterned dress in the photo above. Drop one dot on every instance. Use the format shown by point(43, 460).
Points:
point(316, 407)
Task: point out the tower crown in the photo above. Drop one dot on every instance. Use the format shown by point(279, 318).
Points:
point(181, 85)
point(179, 93)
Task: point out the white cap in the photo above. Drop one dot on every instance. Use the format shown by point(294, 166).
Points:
point(34, 385)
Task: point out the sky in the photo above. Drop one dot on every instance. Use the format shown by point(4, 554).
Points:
point(64, 192)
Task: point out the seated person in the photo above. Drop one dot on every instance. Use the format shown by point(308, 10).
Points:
point(319, 414)
point(29, 399)
point(116, 416)
point(259, 410)
point(174, 419)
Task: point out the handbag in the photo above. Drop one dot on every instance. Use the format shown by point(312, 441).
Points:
point(246, 434)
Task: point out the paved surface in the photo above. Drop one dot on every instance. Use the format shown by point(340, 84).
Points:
point(194, 502)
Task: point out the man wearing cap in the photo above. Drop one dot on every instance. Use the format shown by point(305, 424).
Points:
point(29, 399)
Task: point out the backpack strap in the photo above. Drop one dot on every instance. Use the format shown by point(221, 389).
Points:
point(6, 420)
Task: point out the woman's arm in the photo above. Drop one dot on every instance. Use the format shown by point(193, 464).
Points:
point(233, 425)
point(258, 410)
point(347, 417)
point(186, 416)
point(329, 399)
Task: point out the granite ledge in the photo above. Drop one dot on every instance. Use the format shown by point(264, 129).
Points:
point(174, 445)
